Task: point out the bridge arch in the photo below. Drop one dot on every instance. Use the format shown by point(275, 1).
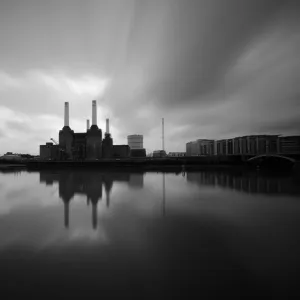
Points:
point(265, 156)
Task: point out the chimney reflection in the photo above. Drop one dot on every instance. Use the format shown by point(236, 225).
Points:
point(94, 214)
point(108, 184)
point(65, 192)
point(66, 214)
point(89, 183)
point(252, 183)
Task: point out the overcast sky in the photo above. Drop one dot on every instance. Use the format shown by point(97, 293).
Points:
point(211, 68)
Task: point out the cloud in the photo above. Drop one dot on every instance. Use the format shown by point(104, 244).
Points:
point(87, 85)
point(31, 106)
point(211, 68)
point(195, 45)
point(36, 90)
point(8, 82)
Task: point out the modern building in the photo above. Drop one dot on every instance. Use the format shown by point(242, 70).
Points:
point(135, 141)
point(289, 144)
point(245, 145)
point(192, 148)
point(222, 147)
point(200, 147)
point(249, 145)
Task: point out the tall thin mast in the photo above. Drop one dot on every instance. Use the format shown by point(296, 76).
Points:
point(163, 134)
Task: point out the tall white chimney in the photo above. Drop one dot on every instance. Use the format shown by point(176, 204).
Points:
point(87, 124)
point(107, 125)
point(94, 112)
point(66, 114)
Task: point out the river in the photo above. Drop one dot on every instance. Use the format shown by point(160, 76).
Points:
point(149, 235)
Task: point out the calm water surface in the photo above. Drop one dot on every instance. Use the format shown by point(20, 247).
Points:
point(149, 235)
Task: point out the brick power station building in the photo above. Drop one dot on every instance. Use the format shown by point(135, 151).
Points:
point(89, 145)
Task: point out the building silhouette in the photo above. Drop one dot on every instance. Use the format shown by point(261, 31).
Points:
point(245, 145)
point(87, 145)
point(200, 147)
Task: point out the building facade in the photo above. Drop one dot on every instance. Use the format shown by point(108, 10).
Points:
point(159, 153)
point(289, 144)
point(176, 154)
point(245, 145)
point(249, 145)
point(121, 151)
point(137, 152)
point(83, 145)
point(200, 147)
point(135, 141)
point(49, 151)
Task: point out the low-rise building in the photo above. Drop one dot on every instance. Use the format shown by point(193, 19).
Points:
point(49, 152)
point(121, 151)
point(176, 154)
point(159, 153)
point(138, 152)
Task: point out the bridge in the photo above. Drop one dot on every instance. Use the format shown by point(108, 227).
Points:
point(273, 160)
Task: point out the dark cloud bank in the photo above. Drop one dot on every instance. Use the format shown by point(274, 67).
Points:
point(212, 68)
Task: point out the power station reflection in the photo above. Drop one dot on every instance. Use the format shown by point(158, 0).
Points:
point(89, 183)
point(252, 183)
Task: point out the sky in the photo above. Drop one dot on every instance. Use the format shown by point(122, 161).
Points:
point(210, 68)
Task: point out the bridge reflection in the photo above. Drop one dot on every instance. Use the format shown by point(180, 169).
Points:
point(252, 183)
point(89, 183)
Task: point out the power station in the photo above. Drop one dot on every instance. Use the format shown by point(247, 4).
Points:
point(87, 145)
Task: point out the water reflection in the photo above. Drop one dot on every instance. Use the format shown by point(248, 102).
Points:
point(89, 183)
point(16, 172)
point(252, 183)
point(164, 196)
point(208, 244)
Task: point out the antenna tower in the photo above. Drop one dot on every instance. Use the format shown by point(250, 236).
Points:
point(163, 134)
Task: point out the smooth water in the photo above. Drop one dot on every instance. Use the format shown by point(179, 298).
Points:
point(149, 235)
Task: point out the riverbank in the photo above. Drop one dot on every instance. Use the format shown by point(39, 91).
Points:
point(147, 164)
point(143, 163)
point(12, 166)
point(178, 164)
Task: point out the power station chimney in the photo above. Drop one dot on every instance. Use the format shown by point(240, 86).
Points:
point(107, 125)
point(66, 114)
point(94, 112)
point(87, 124)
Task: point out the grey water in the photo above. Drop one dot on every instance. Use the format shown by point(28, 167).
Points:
point(153, 235)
